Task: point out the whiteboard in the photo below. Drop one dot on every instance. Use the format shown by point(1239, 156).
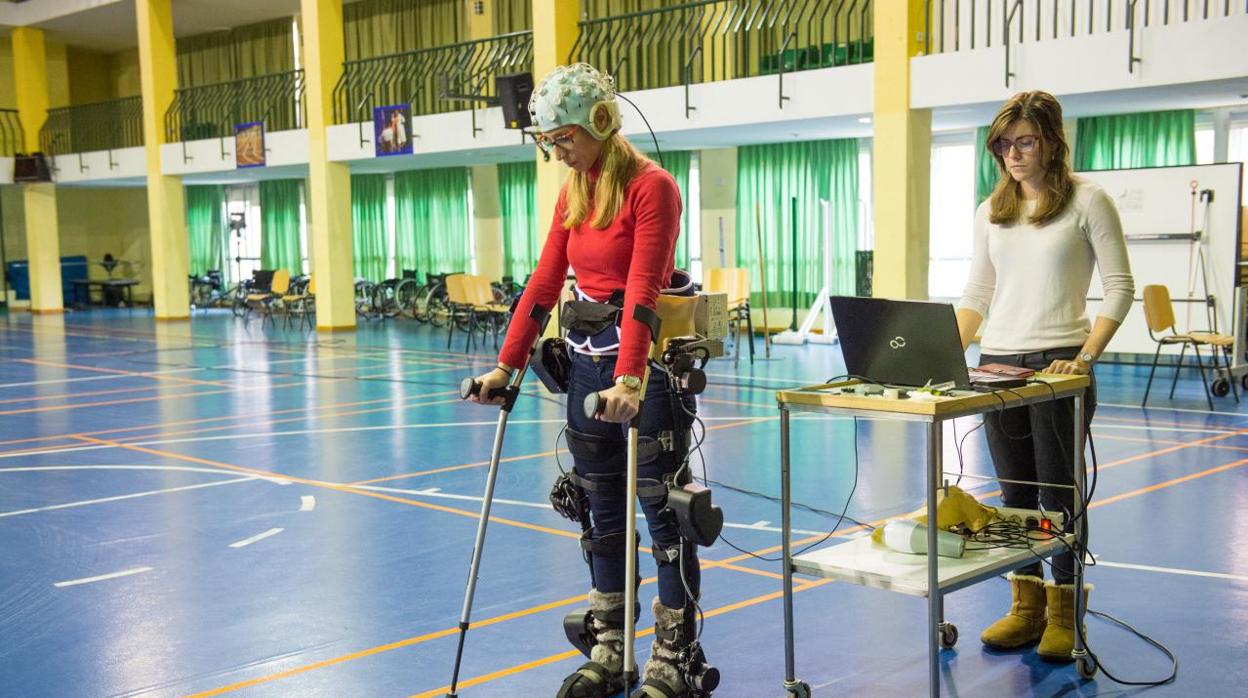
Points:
point(1158, 201)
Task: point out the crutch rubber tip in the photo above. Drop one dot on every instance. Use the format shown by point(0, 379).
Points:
point(594, 405)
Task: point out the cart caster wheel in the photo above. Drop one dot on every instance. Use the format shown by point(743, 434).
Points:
point(1243, 382)
point(799, 689)
point(1085, 667)
point(1221, 387)
point(948, 636)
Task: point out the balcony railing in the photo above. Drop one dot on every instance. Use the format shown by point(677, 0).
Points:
point(422, 78)
point(117, 123)
point(212, 111)
point(726, 39)
point(11, 135)
point(958, 25)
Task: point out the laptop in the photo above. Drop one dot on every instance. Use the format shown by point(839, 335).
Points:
point(905, 343)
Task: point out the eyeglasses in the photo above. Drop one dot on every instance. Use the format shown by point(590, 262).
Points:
point(1024, 145)
point(548, 144)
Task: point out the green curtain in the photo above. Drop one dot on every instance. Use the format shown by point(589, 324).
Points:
point(677, 163)
point(381, 27)
point(432, 220)
point(243, 52)
point(517, 200)
point(279, 225)
point(986, 172)
point(512, 16)
point(769, 177)
point(205, 228)
point(1151, 139)
point(368, 226)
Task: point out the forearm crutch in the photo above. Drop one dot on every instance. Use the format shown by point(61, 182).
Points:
point(467, 388)
point(594, 404)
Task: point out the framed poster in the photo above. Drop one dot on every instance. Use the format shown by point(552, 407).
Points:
point(392, 133)
point(249, 144)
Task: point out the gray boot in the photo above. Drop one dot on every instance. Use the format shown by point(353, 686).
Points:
point(673, 632)
point(602, 675)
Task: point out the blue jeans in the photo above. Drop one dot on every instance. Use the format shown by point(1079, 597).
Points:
point(1033, 443)
point(608, 511)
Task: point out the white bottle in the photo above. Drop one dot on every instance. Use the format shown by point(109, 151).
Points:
point(910, 536)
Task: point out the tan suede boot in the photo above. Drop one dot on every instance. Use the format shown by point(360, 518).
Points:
point(1024, 624)
point(1059, 637)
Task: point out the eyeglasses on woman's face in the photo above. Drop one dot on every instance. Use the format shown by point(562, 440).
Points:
point(549, 141)
point(1023, 144)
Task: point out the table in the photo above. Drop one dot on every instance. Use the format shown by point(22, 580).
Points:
point(83, 287)
point(858, 562)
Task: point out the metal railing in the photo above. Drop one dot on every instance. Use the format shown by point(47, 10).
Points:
point(12, 137)
point(212, 111)
point(959, 25)
point(715, 40)
point(117, 123)
point(421, 78)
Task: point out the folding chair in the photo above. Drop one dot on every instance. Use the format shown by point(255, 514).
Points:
point(735, 283)
point(1159, 314)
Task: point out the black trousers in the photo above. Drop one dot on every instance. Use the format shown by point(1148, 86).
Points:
point(1033, 443)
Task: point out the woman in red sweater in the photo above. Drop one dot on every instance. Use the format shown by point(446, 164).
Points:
point(615, 225)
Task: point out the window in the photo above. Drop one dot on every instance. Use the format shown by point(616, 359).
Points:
point(952, 214)
point(1204, 142)
point(243, 248)
point(694, 207)
point(866, 231)
point(1237, 151)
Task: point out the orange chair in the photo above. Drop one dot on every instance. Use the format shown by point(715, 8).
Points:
point(302, 303)
point(264, 301)
point(1159, 314)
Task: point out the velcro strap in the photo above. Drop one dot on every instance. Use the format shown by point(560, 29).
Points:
point(650, 447)
point(610, 545)
point(605, 484)
point(592, 447)
point(665, 556)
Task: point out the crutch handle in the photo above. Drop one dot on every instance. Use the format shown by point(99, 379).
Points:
point(594, 405)
point(471, 386)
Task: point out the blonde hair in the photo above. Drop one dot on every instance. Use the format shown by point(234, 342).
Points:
point(1043, 112)
point(621, 161)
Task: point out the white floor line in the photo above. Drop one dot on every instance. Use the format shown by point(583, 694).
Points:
point(256, 538)
point(177, 468)
point(136, 495)
point(102, 577)
point(116, 376)
point(1133, 427)
point(437, 493)
point(307, 503)
point(1241, 415)
point(1172, 570)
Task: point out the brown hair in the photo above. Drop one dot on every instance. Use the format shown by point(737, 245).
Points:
point(621, 161)
point(1042, 111)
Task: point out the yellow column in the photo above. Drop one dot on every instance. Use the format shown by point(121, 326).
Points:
point(902, 156)
point(480, 24)
point(487, 221)
point(166, 200)
point(43, 247)
point(554, 33)
point(329, 183)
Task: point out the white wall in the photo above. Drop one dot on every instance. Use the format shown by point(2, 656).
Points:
point(99, 165)
point(1192, 52)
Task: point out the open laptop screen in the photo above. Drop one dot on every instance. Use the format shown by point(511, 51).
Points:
point(900, 342)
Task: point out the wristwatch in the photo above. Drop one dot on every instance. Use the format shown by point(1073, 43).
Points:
point(1087, 358)
point(630, 382)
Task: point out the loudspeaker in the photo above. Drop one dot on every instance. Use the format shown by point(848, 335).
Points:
point(513, 95)
point(31, 168)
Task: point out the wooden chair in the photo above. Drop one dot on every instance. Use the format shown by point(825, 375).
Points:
point(302, 303)
point(264, 301)
point(735, 283)
point(488, 315)
point(1159, 314)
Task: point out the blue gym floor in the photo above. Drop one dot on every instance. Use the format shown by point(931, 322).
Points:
point(213, 508)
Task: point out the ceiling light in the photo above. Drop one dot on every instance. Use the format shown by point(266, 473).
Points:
point(864, 119)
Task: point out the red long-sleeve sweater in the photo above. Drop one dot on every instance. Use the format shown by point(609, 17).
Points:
point(635, 252)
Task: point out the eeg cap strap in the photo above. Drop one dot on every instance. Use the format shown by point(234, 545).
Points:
point(573, 94)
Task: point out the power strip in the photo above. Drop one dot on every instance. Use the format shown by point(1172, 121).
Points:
point(1030, 518)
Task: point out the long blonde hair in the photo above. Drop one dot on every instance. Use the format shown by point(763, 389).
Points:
point(621, 161)
point(1044, 113)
